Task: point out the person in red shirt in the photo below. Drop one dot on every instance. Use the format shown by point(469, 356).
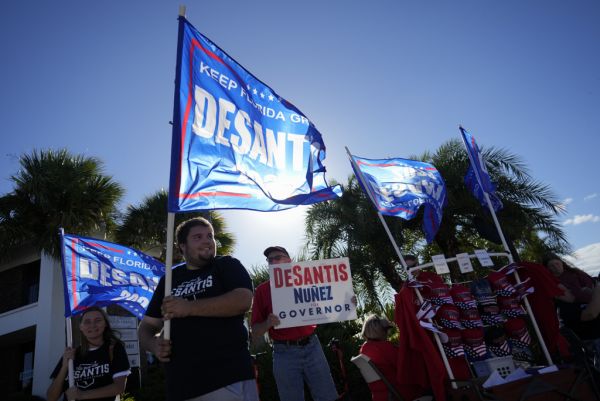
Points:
point(297, 352)
point(579, 306)
point(382, 353)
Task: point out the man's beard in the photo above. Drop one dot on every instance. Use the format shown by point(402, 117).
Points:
point(199, 260)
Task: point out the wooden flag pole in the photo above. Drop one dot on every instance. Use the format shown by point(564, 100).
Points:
point(404, 266)
point(510, 256)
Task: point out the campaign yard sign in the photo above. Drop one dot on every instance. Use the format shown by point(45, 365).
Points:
point(126, 328)
point(312, 292)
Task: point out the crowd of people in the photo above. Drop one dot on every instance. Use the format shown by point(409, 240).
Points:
point(207, 357)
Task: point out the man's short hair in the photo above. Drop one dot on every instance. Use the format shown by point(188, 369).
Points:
point(410, 257)
point(182, 231)
point(275, 248)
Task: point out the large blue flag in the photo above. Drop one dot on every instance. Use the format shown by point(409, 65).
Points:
point(101, 273)
point(400, 186)
point(236, 143)
point(477, 178)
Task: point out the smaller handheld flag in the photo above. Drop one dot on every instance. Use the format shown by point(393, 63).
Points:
point(399, 187)
point(101, 273)
point(477, 178)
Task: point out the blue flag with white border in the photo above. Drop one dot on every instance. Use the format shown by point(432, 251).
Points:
point(101, 273)
point(477, 178)
point(236, 143)
point(400, 186)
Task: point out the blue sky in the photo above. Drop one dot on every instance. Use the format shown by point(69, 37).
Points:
point(385, 78)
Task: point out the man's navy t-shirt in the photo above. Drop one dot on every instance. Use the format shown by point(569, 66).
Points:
point(207, 352)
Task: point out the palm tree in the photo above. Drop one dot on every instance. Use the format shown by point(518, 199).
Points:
point(349, 226)
point(56, 189)
point(529, 206)
point(145, 226)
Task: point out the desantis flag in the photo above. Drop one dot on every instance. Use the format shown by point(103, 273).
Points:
point(236, 143)
point(101, 273)
point(400, 186)
point(477, 178)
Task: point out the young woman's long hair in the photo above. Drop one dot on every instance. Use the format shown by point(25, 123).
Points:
point(109, 336)
point(566, 266)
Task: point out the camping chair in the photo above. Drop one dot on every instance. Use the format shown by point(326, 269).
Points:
point(371, 374)
point(583, 359)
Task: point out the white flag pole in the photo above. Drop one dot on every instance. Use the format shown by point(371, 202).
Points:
point(168, 268)
point(507, 249)
point(71, 365)
point(405, 267)
point(171, 220)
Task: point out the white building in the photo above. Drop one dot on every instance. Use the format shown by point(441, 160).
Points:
point(32, 322)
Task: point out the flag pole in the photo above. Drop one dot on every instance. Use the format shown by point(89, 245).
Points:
point(171, 215)
point(70, 345)
point(168, 269)
point(507, 249)
point(70, 364)
point(403, 262)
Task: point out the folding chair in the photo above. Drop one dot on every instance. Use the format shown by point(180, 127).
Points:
point(583, 359)
point(371, 374)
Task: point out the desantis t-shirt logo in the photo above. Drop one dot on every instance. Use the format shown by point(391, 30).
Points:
point(86, 373)
point(189, 289)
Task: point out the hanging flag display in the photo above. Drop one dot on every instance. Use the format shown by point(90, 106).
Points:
point(236, 143)
point(477, 178)
point(400, 186)
point(102, 273)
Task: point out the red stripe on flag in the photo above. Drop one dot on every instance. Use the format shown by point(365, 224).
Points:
point(73, 276)
point(376, 164)
point(105, 247)
point(394, 210)
point(200, 194)
point(188, 104)
point(390, 165)
point(216, 58)
point(186, 115)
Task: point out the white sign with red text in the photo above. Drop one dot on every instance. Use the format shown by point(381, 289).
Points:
point(312, 292)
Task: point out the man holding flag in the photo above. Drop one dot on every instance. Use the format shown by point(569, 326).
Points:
point(236, 145)
point(207, 358)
